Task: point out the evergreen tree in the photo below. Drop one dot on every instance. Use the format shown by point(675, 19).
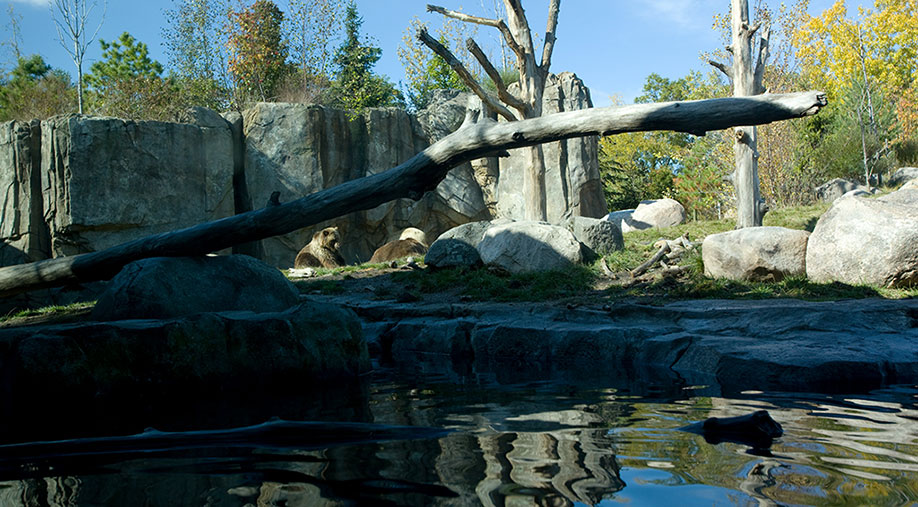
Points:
point(356, 86)
point(34, 90)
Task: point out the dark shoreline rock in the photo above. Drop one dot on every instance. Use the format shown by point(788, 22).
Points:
point(206, 354)
point(729, 346)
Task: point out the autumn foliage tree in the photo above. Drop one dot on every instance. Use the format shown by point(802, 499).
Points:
point(257, 51)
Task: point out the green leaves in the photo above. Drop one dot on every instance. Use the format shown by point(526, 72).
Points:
point(258, 53)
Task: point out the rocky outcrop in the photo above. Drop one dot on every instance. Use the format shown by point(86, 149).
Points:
point(732, 346)
point(107, 181)
point(833, 189)
point(572, 182)
point(299, 149)
point(523, 247)
point(23, 233)
point(867, 241)
point(903, 175)
point(169, 287)
point(600, 236)
point(755, 254)
point(135, 361)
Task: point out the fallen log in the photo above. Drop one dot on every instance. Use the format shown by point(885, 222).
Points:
point(420, 174)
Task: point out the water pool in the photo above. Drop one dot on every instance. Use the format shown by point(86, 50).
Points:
point(431, 440)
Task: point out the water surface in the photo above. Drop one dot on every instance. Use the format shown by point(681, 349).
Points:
point(535, 443)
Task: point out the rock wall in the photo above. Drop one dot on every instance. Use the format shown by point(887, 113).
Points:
point(572, 182)
point(76, 184)
point(106, 181)
point(23, 232)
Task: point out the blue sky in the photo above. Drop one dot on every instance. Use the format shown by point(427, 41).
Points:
point(613, 45)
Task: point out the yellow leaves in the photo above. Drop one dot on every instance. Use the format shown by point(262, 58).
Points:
point(835, 50)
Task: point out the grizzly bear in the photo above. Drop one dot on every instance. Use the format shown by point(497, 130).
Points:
point(322, 251)
point(410, 243)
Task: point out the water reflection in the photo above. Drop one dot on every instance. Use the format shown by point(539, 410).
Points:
point(542, 443)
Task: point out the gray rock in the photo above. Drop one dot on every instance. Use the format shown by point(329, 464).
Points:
point(108, 181)
point(903, 175)
point(196, 355)
point(755, 253)
point(167, 287)
point(572, 179)
point(23, 233)
point(833, 189)
point(300, 149)
point(657, 213)
point(601, 236)
point(458, 246)
point(620, 218)
point(867, 241)
point(522, 247)
point(730, 346)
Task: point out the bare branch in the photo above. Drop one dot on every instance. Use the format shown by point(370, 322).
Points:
point(519, 27)
point(489, 69)
point(496, 23)
point(464, 74)
point(550, 38)
point(726, 69)
point(758, 79)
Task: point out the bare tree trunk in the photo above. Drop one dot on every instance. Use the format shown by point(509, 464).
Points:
point(747, 77)
point(533, 73)
point(422, 173)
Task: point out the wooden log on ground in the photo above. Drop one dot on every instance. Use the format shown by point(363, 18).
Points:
point(420, 174)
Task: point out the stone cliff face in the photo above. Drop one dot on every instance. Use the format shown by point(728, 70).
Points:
point(573, 186)
point(77, 184)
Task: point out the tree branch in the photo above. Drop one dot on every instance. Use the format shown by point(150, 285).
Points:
point(550, 38)
point(489, 69)
point(758, 79)
point(496, 23)
point(420, 174)
point(726, 69)
point(464, 74)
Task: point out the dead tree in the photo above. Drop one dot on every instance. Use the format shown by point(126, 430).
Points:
point(533, 73)
point(70, 18)
point(422, 173)
point(747, 78)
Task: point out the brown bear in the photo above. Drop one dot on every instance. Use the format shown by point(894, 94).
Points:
point(322, 251)
point(409, 243)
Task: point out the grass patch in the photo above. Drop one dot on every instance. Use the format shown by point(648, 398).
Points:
point(491, 285)
point(588, 281)
point(49, 311)
point(798, 217)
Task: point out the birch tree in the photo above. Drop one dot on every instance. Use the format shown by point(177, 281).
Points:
point(746, 74)
point(526, 103)
point(70, 18)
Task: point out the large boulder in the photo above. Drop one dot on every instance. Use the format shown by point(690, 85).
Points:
point(903, 175)
point(867, 241)
point(658, 213)
point(755, 254)
point(168, 287)
point(572, 179)
point(522, 247)
point(458, 247)
point(600, 236)
point(833, 189)
point(107, 181)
